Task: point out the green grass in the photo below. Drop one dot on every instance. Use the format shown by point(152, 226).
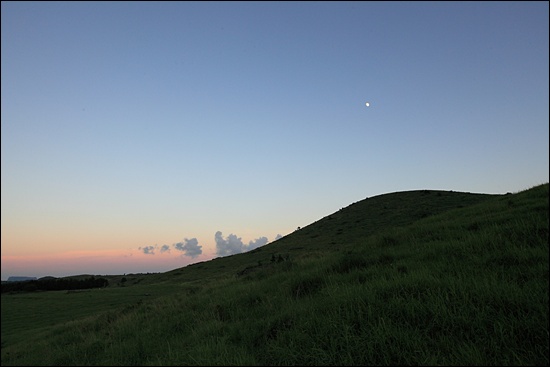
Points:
point(411, 278)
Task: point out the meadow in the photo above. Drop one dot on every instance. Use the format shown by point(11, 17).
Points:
point(420, 277)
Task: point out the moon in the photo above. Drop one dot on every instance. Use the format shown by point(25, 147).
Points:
point(367, 104)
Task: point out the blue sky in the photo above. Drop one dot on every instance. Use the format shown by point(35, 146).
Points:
point(144, 136)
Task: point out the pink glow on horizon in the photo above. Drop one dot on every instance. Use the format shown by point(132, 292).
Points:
point(102, 262)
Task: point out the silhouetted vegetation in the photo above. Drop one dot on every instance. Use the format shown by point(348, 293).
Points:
point(54, 284)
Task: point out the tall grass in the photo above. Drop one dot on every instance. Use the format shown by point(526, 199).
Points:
point(467, 286)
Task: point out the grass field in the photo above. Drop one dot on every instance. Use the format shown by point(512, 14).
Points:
point(408, 278)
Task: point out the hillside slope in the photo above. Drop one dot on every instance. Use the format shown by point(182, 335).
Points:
point(338, 231)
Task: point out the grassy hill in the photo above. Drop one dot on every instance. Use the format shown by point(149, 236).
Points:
point(418, 277)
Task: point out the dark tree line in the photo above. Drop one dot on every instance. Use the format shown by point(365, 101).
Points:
point(54, 284)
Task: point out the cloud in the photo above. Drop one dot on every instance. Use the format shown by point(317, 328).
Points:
point(190, 247)
point(224, 246)
point(234, 245)
point(256, 243)
point(229, 246)
point(148, 250)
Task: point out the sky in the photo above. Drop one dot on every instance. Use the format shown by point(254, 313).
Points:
point(142, 137)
